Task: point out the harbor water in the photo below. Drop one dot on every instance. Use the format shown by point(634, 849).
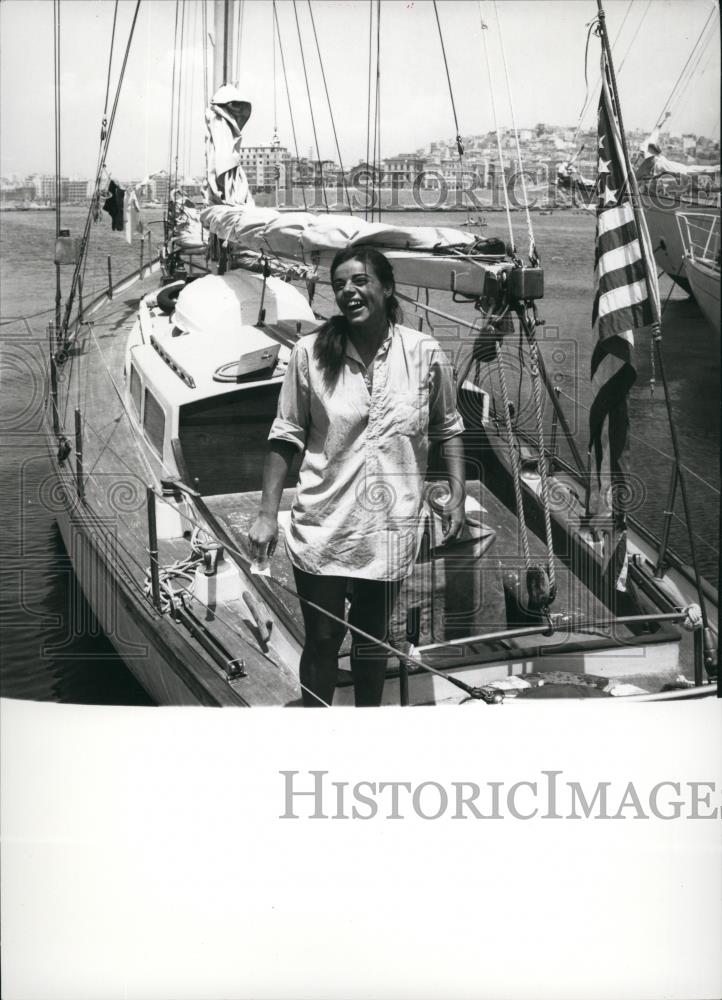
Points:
point(51, 648)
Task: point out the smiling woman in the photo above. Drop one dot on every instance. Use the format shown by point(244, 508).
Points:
point(362, 400)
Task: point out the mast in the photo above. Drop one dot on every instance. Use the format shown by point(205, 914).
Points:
point(224, 14)
point(56, 89)
point(710, 653)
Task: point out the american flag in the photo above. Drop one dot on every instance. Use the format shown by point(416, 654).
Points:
point(621, 305)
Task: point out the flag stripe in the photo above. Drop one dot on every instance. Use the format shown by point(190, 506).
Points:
point(621, 277)
point(621, 295)
point(621, 237)
point(613, 218)
point(626, 304)
point(616, 257)
point(623, 321)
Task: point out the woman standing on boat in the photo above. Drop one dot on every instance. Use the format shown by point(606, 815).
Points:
point(362, 399)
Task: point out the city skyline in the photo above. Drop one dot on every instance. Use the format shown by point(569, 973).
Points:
point(430, 151)
point(551, 87)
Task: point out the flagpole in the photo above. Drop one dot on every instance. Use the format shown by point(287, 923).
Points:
point(631, 178)
point(709, 650)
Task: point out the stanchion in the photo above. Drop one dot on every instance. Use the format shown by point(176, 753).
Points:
point(79, 480)
point(153, 548)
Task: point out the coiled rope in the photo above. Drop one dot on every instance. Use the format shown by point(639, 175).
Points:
point(513, 458)
point(542, 465)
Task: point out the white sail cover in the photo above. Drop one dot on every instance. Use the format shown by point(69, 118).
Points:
point(226, 181)
point(300, 234)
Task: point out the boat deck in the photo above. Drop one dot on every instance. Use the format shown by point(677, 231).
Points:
point(454, 594)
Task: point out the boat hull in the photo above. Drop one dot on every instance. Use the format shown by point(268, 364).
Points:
point(704, 280)
point(150, 646)
point(669, 251)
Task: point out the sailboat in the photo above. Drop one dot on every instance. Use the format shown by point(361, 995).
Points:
point(700, 237)
point(160, 399)
point(669, 187)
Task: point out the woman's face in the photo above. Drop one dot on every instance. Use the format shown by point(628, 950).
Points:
point(360, 295)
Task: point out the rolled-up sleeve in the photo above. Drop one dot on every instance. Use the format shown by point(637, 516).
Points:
point(292, 416)
point(444, 419)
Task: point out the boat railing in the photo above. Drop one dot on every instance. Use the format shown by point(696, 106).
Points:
point(700, 234)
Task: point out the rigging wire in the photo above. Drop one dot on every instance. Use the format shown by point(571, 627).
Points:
point(533, 256)
point(377, 117)
point(172, 94)
point(190, 110)
point(103, 152)
point(330, 110)
point(288, 96)
point(275, 79)
point(180, 92)
point(204, 49)
point(110, 64)
point(275, 141)
point(484, 28)
point(368, 111)
point(239, 36)
point(459, 144)
point(310, 106)
point(634, 36)
point(694, 72)
point(684, 68)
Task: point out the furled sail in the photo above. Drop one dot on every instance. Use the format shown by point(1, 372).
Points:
point(226, 181)
point(299, 234)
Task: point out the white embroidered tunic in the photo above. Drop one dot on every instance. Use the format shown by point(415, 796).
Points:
point(365, 442)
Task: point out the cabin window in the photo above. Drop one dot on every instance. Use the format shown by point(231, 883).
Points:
point(154, 422)
point(225, 439)
point(136, 391)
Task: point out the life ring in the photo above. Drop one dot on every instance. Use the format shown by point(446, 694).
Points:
point(168, 294)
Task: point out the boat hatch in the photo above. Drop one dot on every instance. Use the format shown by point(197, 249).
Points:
point(228, 304)
point(224, 439)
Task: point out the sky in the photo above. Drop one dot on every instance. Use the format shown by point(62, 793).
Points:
point(543, 41)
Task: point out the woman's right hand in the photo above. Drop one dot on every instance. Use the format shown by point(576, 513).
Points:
point(263, 537)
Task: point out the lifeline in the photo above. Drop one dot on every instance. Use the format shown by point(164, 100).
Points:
point(311, 795)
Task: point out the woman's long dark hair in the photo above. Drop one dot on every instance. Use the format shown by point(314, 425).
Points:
point(330, 347)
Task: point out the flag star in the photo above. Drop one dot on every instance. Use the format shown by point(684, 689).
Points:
point(610, 195)
point(604, 166)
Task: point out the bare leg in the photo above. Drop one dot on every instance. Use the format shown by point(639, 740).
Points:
point(371, 607)
point(319, 659)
